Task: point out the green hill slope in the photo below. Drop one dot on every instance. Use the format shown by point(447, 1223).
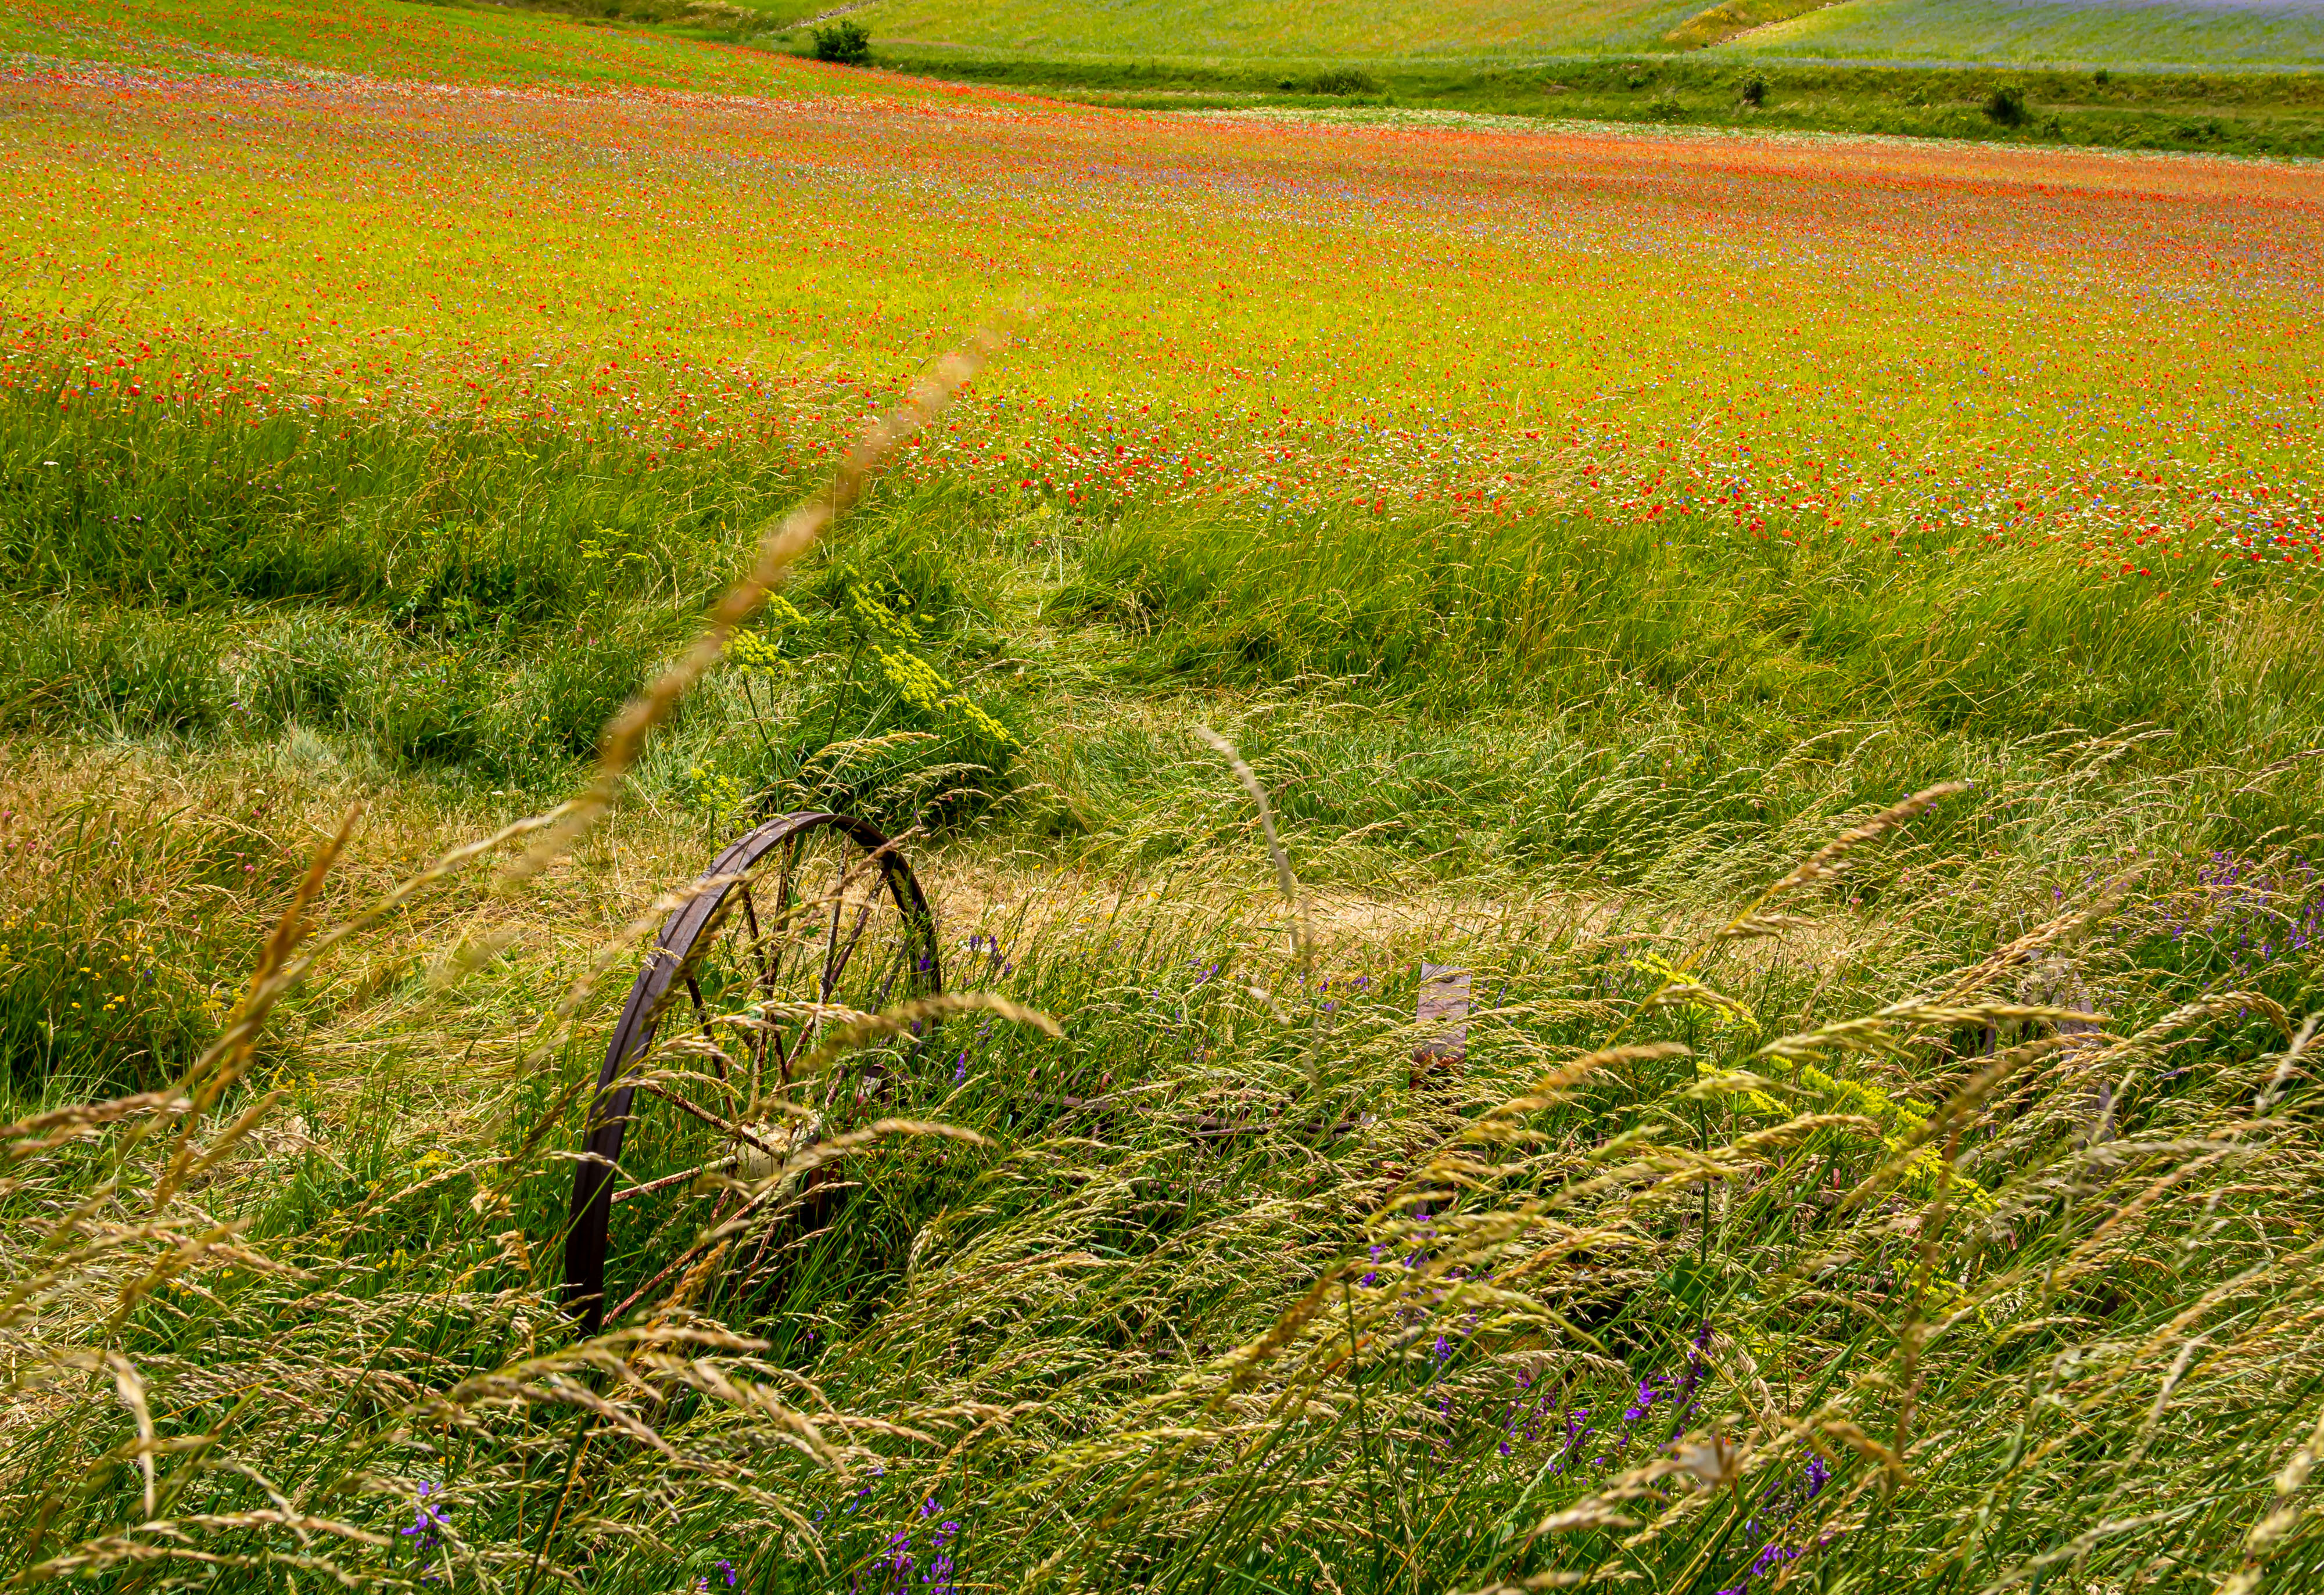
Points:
point(2210, 33)
point(483, 43)
point(2113, 31)
point(1341, 30)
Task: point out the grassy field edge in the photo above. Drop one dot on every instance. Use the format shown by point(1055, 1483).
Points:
point(2273, 114)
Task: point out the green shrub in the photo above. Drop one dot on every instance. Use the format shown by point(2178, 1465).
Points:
point(2007, 104)
point(846, 43)
point(864, 701)
point(1755, 91)
point(1343, 81)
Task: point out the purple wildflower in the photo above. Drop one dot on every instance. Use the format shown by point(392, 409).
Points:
point(426, 1523)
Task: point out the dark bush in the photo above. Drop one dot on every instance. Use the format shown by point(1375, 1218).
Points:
point(1343, 80)
point(2007, 104)
point(1755, 92)
point(849, 44)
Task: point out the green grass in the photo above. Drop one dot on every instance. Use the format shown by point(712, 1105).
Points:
point(476, 602)
point(1936, 1208)
point(2030, 33)
point(1718, 23)
point(1090, 1340)
point(1231, 29)
point(472, 601)
point(1441, 1348)
point(2225, 112)
point(1998, 31)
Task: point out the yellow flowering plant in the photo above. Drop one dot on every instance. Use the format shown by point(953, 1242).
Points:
point(846, 707)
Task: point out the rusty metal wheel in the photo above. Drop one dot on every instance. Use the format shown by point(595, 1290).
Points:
point(808, 912)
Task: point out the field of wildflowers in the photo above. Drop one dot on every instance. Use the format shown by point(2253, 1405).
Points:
point(1933, 352)
point(385, 39)
point(2101, 31)
point(2093, 32)
point(1230, 28)
point(1825, 635)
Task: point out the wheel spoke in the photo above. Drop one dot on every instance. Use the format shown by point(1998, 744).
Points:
point(900, 959)
point(764, 987)
point(758, 937)
point(701, 1010)
point(668, 1180)
point(701, 1018)
point(835, 956)
point(836, 965)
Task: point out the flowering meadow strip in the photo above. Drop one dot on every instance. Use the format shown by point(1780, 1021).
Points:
point(2048, 33)
point(1229, 29)
point(1928, 349)
point(479, 45)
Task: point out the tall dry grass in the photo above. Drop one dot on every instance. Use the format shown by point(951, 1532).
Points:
point(1893, 1224)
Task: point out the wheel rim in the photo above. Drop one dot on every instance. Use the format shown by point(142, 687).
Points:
point(807, 911)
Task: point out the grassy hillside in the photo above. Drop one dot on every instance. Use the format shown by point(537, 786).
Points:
point(761, 50)
point(2118, 33)
point(1348, 30)
point(2043, 33)
point(485, 43)
point(1828, 635)
point(2272, 114)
